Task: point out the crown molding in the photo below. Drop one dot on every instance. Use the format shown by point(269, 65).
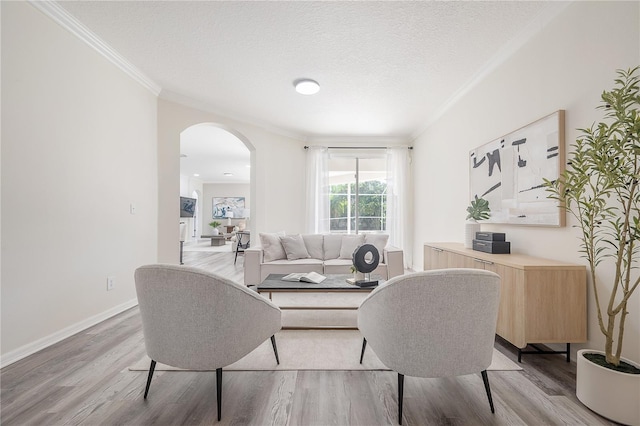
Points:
point(206, 107)
point(506, 52)
point(306, 138)
point(56, 12)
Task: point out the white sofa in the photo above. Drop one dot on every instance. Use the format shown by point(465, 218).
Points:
point(322, 253)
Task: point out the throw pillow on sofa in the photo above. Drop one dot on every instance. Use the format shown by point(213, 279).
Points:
point(349, 245)
point(331, 246)
point(294, 247)
point(313, 243)
point(272, 247)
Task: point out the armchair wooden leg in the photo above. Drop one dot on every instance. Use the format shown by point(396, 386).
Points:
point(219, 391)
point(364, 345)
point(485, 379)
point(152, 368)
point(400, 396)
point(275, 348)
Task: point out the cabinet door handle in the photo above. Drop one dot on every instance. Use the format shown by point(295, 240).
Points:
point(436, 249)
point(475, 259)
point(488, 262)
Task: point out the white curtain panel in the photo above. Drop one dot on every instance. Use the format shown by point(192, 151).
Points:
point(398, 219)
point(317, 182)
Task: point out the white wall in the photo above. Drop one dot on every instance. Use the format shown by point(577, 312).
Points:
point(212, 190)
point(78, 147)
point(566, 66)
point(277, 168)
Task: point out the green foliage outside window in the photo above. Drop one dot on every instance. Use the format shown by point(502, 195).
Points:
point(372, 206)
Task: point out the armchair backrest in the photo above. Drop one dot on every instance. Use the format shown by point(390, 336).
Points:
point(433, 324)
point(198, 320)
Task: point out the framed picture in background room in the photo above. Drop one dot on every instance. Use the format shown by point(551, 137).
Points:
point(228, 207)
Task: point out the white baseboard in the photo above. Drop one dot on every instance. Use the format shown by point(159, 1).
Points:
point(33, 347)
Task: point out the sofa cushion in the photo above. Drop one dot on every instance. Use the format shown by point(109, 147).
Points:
point(343, 266)
point(313, 243)
point(379, 241)
point(331, 245)
point(272, 247)
point(294, 247)
point(297, 262)
point(349, 245)
point(338, 266)
point(339, 262)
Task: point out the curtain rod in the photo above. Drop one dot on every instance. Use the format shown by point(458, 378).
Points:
point(359, 147)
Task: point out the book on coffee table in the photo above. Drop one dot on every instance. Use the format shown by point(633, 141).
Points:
point(308, 277)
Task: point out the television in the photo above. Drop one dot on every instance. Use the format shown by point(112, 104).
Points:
point(187, 207)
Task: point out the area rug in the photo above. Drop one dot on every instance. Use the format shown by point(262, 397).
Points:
point(316, 350)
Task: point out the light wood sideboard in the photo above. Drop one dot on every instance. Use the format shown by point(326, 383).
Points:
point(541, 300)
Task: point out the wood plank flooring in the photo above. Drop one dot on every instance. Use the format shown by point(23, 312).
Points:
point(84, 380)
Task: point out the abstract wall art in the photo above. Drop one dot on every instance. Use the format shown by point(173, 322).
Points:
point(509, 171)
point(228, 207)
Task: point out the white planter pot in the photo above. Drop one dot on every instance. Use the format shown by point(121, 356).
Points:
point(470, 229)
point(611, 394)
point(215, 231)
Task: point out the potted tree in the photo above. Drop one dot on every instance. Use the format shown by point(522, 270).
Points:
point(215, 225)
point(601, 189)
point(477, 210)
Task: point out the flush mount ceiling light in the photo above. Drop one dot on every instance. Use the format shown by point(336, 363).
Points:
point(306, 86)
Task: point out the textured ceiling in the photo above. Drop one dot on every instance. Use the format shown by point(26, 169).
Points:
point(385, 68)
point(210, 152)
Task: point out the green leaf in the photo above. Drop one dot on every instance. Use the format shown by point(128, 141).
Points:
point(479, 209)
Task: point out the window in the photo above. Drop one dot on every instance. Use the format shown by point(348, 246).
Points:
point(358, 193)
point(353, 190)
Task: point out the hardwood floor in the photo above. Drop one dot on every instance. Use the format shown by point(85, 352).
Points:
point(85, 380)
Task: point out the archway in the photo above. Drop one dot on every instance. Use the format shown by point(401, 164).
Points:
point(215, 165)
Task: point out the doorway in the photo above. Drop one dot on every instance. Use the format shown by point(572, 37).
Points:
point(214, 163)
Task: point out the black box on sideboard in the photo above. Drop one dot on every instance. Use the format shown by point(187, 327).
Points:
point(491, 236)
point(493, 247)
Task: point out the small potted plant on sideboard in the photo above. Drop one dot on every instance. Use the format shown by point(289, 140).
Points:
point(601, 189)
point(477, 210)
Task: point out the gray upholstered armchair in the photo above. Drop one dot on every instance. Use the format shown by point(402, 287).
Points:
point(193, 319)
point(433, 324)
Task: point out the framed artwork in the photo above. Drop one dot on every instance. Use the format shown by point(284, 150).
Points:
point(509, 171)
point(228, 207)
